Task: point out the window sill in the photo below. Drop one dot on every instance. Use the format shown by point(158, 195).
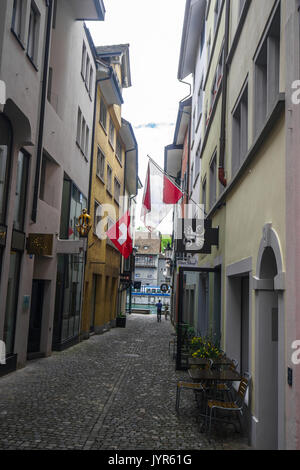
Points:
point(198, 123)
point(19, 40)
point(32, 62)
point(110, 193)
point(100, 178)
point(102, 125)
point(81, 151)
point(119, 161)
point(112, 146)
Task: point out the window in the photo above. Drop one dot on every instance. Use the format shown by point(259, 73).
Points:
point(110, 223)
point(21, 190)
point(79, 116)
point(218, 77)
point(204, 194)
point(82, 140)
point(83, 61)
point(267, 72)
point(117, 191)
point(87, 72)
point(197, 162)
point(91, 81)
point(49, 89)
point(109, 179)
point(241, 6)
point(103, 114)
point(240, 131)
point(193, 126)
point(200, 102)
point(48, 181)
point(208, 48)
point(83, 133)
point(192, 179)
point(33, 34)
point(202, 41)
point(17, 18)
point(213, 181)
point(73, 203)
point(217, 13)
point(97, 216)
point(5, 149)
point(54, 14)
point(119, 150)
point(111, 133)
point(100, 164)
point(87, 138)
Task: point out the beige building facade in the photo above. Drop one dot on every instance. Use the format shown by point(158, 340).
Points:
point(243, 185)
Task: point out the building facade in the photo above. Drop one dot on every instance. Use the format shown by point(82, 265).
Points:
point(113, 187)
point(45, 168)
point(247, 183)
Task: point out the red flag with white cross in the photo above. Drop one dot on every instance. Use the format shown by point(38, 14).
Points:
point(120, 236)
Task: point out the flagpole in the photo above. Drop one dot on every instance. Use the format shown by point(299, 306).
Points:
point(175, 184)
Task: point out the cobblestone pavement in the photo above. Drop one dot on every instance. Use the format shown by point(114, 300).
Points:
point(115, 391)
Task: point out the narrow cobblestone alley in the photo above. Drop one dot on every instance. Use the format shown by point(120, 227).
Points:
point(115, 391)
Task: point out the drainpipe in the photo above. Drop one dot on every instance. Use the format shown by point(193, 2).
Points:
point(222, 178)
point(49, 4)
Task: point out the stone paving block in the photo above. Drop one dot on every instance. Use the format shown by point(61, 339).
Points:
point(113, 391)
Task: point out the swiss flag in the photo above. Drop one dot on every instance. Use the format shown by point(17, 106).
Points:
point(120, 236)
point(160, 195)
point(171, 193)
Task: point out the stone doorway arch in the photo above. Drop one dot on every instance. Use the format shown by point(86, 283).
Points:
point(269, 286)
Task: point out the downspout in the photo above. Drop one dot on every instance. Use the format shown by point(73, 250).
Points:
point(222, 178)
point(49, 4)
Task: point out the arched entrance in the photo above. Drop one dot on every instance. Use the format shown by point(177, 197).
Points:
point(269, 344)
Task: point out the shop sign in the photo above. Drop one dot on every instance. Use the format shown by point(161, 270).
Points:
point(40, 244)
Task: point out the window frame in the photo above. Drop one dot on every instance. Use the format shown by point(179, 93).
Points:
point(101, 154)
point(109, 181)
point(34, 12)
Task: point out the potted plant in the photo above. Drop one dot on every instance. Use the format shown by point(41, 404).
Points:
point(121, 321)
point(204, 348)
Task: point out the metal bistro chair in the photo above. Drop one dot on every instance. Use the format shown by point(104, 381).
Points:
point(236, 406)
point(226, 388)
point(196, 387)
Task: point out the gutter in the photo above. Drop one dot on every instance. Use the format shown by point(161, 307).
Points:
point(42, 113)
point(222, 178)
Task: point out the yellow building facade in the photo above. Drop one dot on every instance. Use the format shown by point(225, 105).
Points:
point(108, 195)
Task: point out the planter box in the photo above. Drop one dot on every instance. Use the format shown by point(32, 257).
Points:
point(121, 322)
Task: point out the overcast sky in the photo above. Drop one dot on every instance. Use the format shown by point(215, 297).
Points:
point(153, 30)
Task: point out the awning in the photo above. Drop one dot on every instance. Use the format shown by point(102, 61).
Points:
point(90, 10)
point(131, 157)
point(109, 84)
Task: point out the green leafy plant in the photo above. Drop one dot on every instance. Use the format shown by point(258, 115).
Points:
point(204, 348)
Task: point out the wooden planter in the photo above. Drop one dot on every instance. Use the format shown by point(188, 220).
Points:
point(121, 322)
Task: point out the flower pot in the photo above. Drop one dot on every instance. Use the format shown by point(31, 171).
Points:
point(121, 322)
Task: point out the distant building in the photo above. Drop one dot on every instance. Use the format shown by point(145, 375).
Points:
point(147, 257)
